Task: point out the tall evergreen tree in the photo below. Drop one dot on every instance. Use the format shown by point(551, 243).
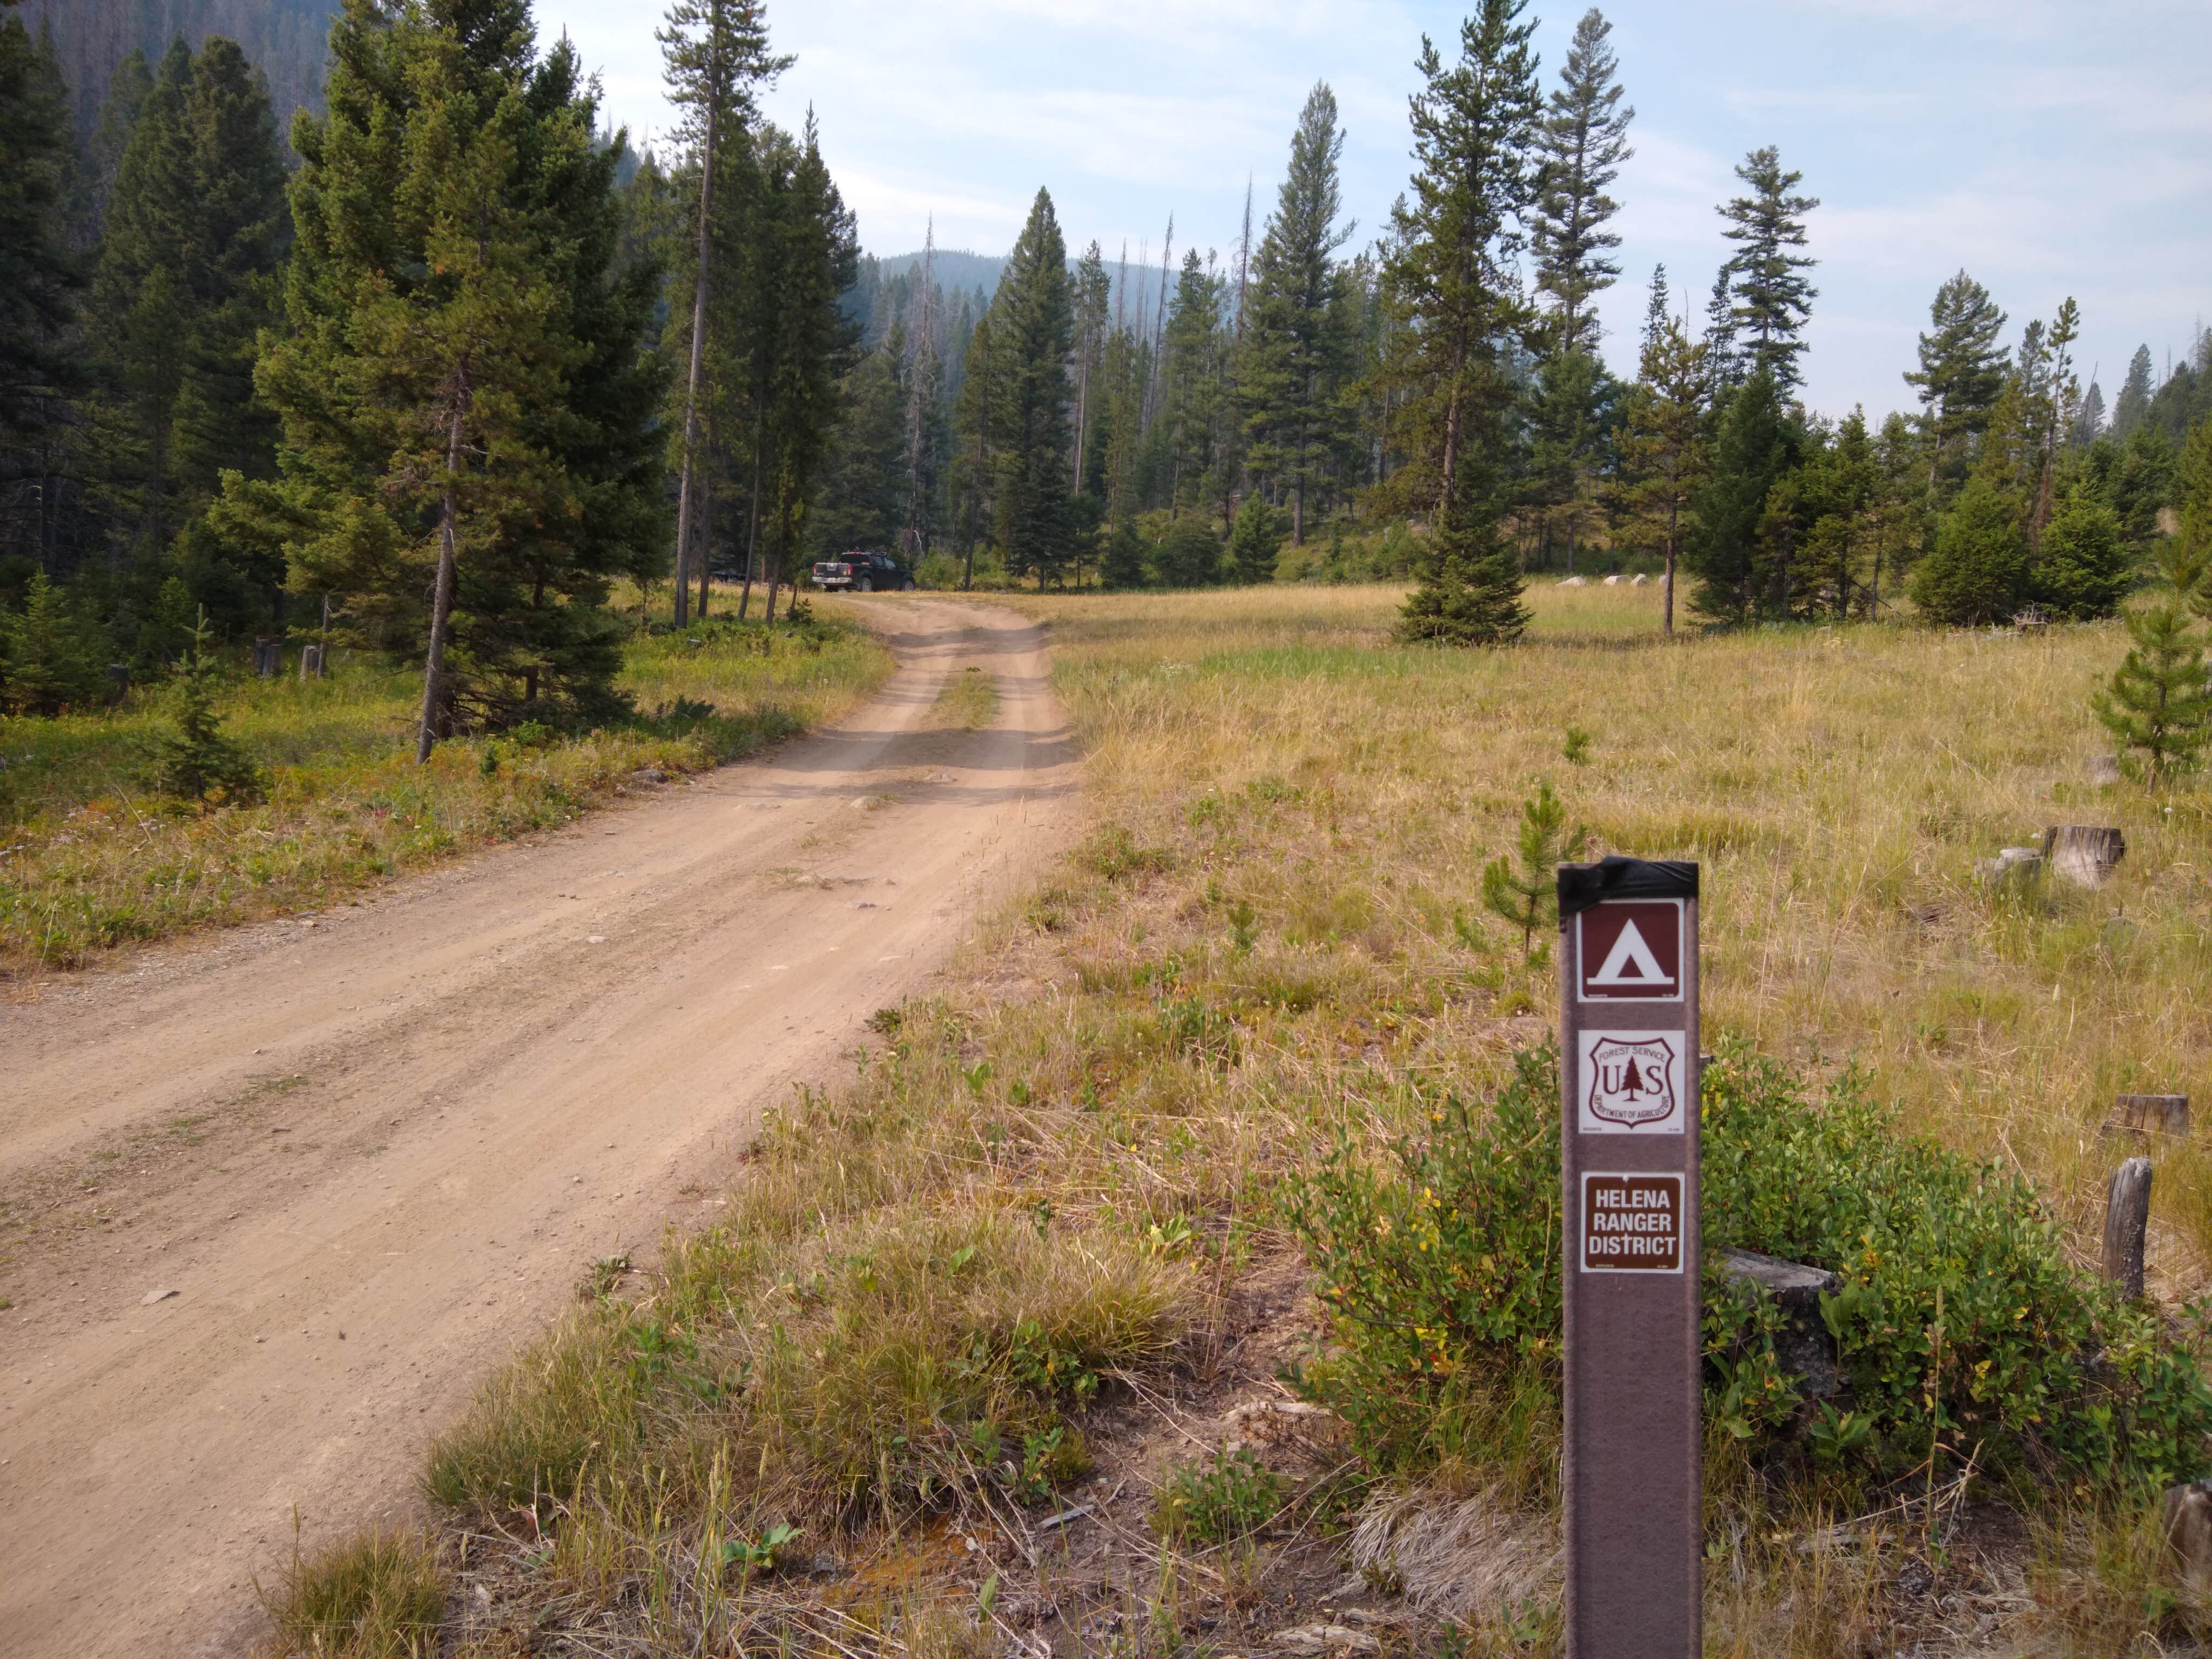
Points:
point(716, 56)
point(1725, 364)
point(1035, 330)
point(195, 227)
point(465, 395)
point(1754, 447)
point(1962, 370)
point(1665, 441)
point(40, 276)
point(1294, 352)
point(819, 250)
point(2133, 404)
point(1584, 140)
point(1772, 297)
point(1452, 275)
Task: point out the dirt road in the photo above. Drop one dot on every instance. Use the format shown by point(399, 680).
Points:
point(293, 1192)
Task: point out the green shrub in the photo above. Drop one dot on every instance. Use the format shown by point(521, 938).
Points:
point(1189, 555)
point(1439, 1260)
point(1230, 1496)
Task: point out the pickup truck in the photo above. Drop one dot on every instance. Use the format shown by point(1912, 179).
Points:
point(864, 572)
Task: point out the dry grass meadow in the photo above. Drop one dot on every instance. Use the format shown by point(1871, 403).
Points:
point(987, 1354)
point(91, 857)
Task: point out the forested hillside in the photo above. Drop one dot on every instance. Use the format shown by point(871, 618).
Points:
point(284, 38)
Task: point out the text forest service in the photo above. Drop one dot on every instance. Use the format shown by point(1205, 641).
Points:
point(1628, 1037)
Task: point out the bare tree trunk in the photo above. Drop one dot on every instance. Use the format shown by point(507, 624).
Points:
point(752, 518)
point(441, 600)
point(706, 547)
point(698, 359)
point(1667, 626)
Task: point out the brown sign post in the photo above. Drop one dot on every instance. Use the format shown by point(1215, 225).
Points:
point(1628, 1068)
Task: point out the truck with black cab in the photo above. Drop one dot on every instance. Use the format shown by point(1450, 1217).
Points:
point(864, 572)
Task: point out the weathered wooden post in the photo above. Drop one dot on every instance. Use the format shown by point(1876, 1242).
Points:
point(268, 657)
point(2127, 1225)
point(311, 663)
point(1628, 1048)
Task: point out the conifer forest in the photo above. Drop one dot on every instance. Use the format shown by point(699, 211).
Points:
point(435, 360)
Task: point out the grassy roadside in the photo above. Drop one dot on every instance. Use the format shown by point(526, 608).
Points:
point(1031, 1258)
point(91, 858)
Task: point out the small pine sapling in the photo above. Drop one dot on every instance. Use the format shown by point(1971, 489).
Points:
point(1529, 898)
point(2159, 703)
point(199, 762)
point(1576, 746)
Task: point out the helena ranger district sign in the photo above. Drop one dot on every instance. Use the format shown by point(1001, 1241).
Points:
point(1628, 1047)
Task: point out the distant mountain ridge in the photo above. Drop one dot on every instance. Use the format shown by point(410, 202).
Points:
point(286, 39)
point(955, 267)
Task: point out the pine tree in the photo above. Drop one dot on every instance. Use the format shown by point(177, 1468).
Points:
point(1724, 365)
point(1977, 571)
point(1962, 370)
point(813, 341)
point(199, 762)
point(1451, 281)
point(127, 89)
point(1772, 297)
point(1293, 356)
point(1470, 586)
point(1255, 539)
point(1123, 566)
point(1753, 447)
point(1528, 897)
point(2080, 569)
point(1036, 312)
point(1188, 555)
point(52, 657)
point(715, 54)
point(1665, 441)
point(40, 276)
point(465, 395)
point(1194, 392)
point(2159, 703)
point(2134, 401)
point(194, 229)
point(1584, 140)
point(974, 463)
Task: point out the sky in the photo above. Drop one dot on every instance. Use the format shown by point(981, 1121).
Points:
point(2048, 148)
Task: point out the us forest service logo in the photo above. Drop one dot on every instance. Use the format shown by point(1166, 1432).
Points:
point(1631, 951)
point(1630, 1082)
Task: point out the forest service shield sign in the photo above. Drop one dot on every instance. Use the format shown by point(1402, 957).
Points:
point(1631, 1081)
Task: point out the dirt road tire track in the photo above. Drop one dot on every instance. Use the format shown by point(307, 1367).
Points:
point(374, 1156)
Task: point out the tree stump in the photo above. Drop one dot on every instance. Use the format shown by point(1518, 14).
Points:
point(2188, 1513)
point(2127, 1225)
point(310, 662)
point(268, 657)
point(1803, 1345)
point(2142, 1115)
point(2084, 853)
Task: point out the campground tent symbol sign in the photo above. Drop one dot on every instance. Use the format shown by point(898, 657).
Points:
point(1631, 951)
point(1631, 1080)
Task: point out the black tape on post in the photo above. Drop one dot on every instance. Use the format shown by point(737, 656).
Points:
point(1628, 1065)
